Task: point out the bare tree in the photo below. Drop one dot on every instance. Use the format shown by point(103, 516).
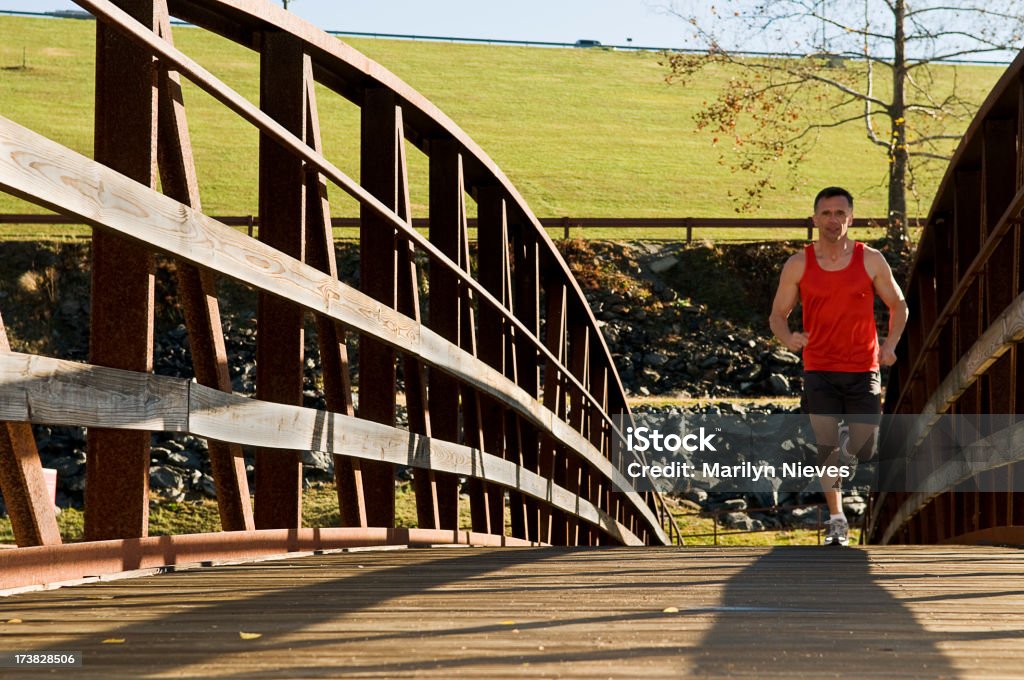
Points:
point(870, 63)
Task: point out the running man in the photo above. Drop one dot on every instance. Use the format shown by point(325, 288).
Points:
point(836, 280)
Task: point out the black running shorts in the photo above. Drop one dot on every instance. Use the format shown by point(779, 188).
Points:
point(856, 396)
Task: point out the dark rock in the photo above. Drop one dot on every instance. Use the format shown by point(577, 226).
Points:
point(779, 384)
point(162, 477)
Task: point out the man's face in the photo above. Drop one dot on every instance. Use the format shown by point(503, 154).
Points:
point(832, 217)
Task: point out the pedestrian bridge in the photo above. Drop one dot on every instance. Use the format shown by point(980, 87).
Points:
point(508, 385)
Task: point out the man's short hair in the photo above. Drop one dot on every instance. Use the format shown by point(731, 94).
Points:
point(831, 192)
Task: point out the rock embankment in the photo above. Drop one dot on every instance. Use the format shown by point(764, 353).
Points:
point(679, 321)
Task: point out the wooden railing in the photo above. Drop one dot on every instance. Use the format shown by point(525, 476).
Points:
point(566, 224)
point(960, 355)
point(509, 384)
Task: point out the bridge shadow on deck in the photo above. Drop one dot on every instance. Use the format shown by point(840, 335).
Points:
point(811, 612)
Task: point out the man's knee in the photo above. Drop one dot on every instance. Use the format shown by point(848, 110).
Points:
point(825, 453)
point(865, 449)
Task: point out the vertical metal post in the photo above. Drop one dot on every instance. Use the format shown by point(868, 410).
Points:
point(279, 330)
point(334, 360)
point(121, 324)
point(447, 215)
point(377, 275)
point(527, 309)
point(493, 268)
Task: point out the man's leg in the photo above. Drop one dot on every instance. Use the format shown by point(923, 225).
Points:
point(826, 437)
point(823, 401)
point(862, 440)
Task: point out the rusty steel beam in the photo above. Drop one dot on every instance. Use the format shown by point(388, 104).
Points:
point(372, 484)
point(334, 360)
point(552, 461)
point(197, 290)
point(526, 304)
point(486, 502)
point(22, 484)
point(121, 319)
point(37, 566)
point(279, 323)
point(577, 470)
point(447, 215)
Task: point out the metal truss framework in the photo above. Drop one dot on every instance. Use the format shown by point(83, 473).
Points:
point(509, 383)
point(961, 352)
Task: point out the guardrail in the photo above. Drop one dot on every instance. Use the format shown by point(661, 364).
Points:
point(687, 224)
point(960, 354)
point(508, 383)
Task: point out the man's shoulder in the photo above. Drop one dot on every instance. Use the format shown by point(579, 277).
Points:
point(874, 259)
point(794, 266)
point(871, 252)
point(797, 258)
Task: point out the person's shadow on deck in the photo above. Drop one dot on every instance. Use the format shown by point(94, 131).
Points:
point(814, 612)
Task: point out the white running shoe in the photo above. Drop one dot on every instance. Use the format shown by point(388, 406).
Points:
point(838, 532)
point(847, 458)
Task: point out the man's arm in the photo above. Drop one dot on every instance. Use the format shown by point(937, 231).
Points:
point(887, 289)
point(786, 297)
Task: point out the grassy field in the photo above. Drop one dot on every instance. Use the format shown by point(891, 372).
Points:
point(589, 133)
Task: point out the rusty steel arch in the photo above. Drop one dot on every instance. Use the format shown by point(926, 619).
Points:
point(961, 353)
point(509, 384)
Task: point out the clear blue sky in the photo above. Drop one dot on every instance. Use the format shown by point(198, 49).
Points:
point(648, 22)
point(609, 21)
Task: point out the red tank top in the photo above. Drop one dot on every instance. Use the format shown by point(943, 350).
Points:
point(839, 316)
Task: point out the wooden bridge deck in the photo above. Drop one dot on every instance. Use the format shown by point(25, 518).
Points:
point(925, 612)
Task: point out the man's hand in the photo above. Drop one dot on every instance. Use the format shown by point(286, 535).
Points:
point(886, 355)
point(797, 341)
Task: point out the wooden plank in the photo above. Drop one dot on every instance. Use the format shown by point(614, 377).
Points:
point(53, 391)
point(37, 169)
point(233, 418)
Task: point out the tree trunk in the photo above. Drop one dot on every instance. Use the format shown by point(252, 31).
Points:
point(898, 157)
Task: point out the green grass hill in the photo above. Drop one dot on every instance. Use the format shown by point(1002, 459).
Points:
point(588, 133)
